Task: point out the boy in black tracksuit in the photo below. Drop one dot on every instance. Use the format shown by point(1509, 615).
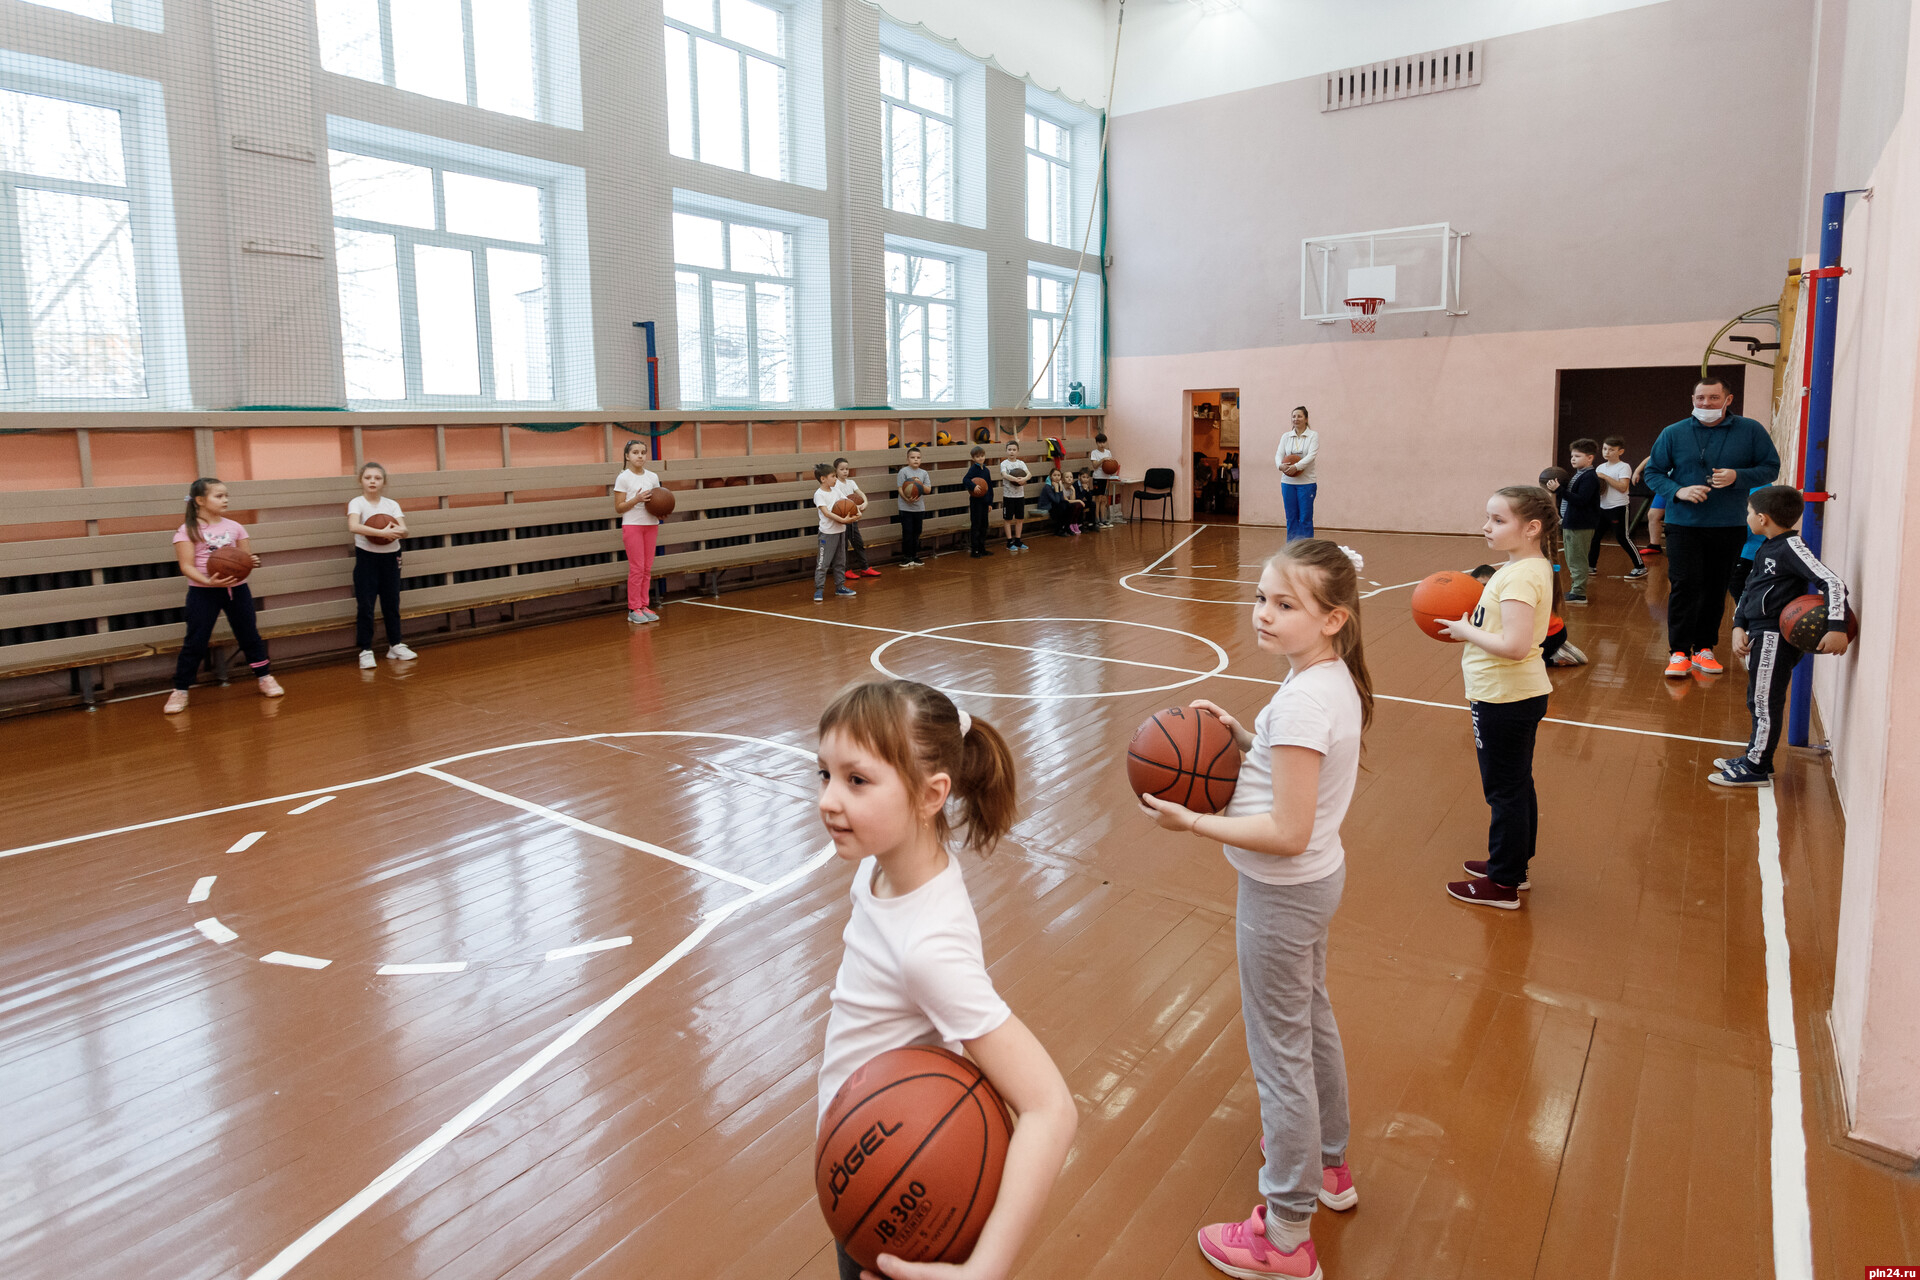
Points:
point(1783, 571)
point(1580, 516)
point(979, 509)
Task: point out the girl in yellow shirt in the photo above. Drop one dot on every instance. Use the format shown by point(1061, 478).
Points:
point(1507, 686)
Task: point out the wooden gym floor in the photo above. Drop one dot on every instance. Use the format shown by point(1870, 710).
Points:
point(1578, 1089)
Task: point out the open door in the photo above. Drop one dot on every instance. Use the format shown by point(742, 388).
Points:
point(1212, 455)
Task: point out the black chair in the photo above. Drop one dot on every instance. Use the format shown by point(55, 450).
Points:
point(1158, 487)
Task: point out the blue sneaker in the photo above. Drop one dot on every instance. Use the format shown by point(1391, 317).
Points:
point(845, 591)
point(818, 596)
point(1739, 773)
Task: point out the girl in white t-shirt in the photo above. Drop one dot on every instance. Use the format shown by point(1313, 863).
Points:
point(1282, 834)
point(639, 528)
point(376, 565)
point(892, 754)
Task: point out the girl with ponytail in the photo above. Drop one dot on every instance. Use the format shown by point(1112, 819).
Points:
point(205, 530)
point(893, 755)
point(1282, 835)
point(1507, 685)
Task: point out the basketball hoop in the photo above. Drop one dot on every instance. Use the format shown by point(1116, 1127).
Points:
point(1364, 322)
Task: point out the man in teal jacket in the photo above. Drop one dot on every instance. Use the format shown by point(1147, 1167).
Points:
point(1706, 465)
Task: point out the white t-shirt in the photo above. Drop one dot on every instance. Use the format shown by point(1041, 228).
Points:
point(1609, 496)
point(360, 509)
point(1298, 449)
point(1014, 474)
point(628, 483)
point(1318, 709)
point(848, 488)
point(912, 973)
point(824, 499)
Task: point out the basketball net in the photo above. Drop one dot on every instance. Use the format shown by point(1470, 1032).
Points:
point(1364, 322)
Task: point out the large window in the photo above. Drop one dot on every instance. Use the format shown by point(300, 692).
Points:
point(917, 111)
point(139, 13)
point(735, 308)
point(446, 282)
point(485, 53)
point(87, 247)
point(1049, 337)
point(922, 327)
point(727, 77)
point(1049, 181)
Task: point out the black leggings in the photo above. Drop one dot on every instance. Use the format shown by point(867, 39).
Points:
point(910, 522)
point(204, 607)
point(1613, 520)
point(1503, 734)
point(856, 550)
point(375, 573)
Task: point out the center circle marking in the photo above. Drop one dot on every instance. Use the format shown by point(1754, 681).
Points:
point(932, 633)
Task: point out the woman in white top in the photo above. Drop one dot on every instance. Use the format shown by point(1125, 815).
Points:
point(1282, 834)
point(1295, 459)
point(639, 528)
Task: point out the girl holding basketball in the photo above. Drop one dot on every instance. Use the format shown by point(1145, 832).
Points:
point(376, 565)
point(1282, 835)
point(206, 530)
point(639, 528)
point(1507, 686)
point(892, 753)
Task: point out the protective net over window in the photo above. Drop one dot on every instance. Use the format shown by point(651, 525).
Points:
point(469, 204)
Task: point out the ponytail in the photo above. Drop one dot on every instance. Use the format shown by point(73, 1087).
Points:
point(1333, 581)
point(1531, 502)
point(194, 495)
point(918, 731)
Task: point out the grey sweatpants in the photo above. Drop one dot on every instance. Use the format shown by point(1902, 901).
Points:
point(1281, 937)
point(833, 558)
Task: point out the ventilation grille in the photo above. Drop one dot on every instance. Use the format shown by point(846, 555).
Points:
point(1409, 77)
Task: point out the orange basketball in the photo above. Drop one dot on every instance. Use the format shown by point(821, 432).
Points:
point(381, 520)
point(1186, 755)
point(979, 487)
point(909, 1157)
point(229, 562)
point(911, 491)
point(658, 502)
point(1444, 597)
point(1110, 465)
point(846, 508)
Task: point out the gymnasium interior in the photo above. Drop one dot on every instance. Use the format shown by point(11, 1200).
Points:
point(507, 951)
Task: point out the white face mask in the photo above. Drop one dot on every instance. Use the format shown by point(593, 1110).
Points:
point(1709, 416)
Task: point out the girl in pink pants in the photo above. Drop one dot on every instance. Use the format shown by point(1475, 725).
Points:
point(639, 528)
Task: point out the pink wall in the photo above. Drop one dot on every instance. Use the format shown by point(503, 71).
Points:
point(1870, 701)
point(1410, 428)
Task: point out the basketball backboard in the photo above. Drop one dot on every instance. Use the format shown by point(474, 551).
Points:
point(1413, 268)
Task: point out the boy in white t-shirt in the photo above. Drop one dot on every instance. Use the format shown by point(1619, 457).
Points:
point(845, 486)
point(1013, 496)
point(833, 536)
point(1101, 497)
point(1616, 478)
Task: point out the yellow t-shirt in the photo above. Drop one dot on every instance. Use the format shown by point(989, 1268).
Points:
point(1491, 679)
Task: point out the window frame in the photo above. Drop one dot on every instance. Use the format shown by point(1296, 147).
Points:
point(158, 301)
point(709, 381)
point(1063, 214)
point(1064, 359)
point(896, 301)
point(556, 98)
point(562, 225)
point(786, 62)
point(149, 15)
point(910, 64)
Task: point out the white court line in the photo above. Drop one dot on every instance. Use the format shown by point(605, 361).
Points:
point(215, 931)
point(202, 889)
point(395, 970)
point(245, 842)
point(294, 961)
point(1792, 1225)
point(1170, 550)
point(308, 806)
point(291, 1256)
point(588, 948)
point(1220, 675)
point(554, 815)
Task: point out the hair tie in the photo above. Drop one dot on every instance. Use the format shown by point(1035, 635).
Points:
point(1359, 562)
point(966, 722)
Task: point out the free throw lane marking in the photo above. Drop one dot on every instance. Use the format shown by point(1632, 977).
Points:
point(588, 948)
point(214, 930)
point(245, 842)
point(554, 815)
point(295, 961)
point(308, 806)
point(395, 970)
point(202, 889)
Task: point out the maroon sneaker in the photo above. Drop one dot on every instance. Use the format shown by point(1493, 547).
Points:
point(1483, 892)
point(1478, 867)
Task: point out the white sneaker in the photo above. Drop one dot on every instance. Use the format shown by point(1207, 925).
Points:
point(176, 702)
point(400, 653)
point(366, 659)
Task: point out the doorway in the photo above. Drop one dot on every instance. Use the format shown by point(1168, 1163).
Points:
point(1213, 454)
point(1633, 403)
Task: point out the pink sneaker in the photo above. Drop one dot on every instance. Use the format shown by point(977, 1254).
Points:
point(1336, 1188)
point(270, 688)
point(1241, 1249)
